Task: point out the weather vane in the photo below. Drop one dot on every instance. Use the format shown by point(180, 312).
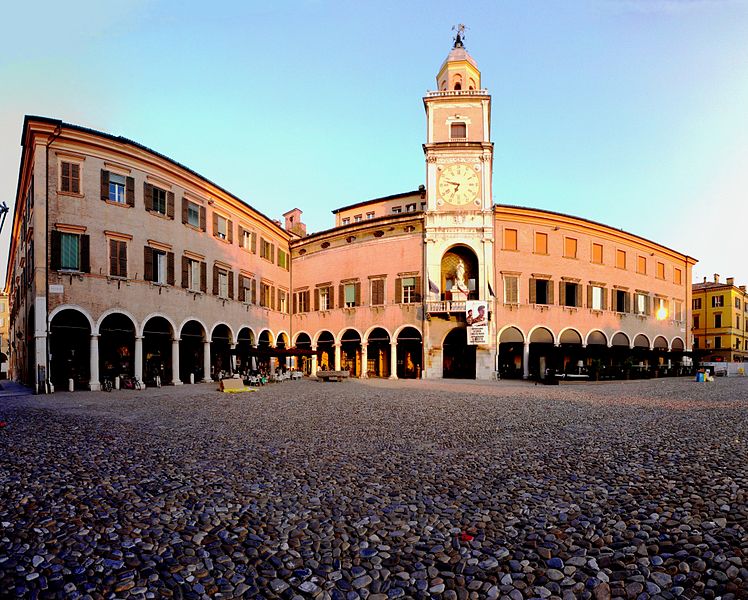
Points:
point(460, 29)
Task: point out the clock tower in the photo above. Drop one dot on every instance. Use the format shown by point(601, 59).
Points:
point(459, 220)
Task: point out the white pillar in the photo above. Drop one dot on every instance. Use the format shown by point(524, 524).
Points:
point(175, 363)
point(232, 357)
point(314, 361)
point(337, 357)
point(526, 361)
point(206, 362)
point(93, 358)
point(138, 358)
point(364, 360)
point(393, 359)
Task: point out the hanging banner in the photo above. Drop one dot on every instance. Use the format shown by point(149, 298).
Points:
point(476, 317)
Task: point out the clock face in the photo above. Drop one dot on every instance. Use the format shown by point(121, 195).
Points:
point(459, 184)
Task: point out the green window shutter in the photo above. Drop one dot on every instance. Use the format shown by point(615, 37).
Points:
point(104, 185)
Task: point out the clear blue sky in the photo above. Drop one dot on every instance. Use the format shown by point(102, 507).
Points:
point(629, 112)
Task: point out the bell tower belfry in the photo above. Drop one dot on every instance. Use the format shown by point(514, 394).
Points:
point(459, 220)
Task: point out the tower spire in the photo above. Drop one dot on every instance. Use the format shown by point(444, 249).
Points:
point(460, 29)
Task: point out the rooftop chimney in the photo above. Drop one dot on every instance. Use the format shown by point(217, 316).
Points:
point(716, 278)
point(730, 281)
point(704, 278)
point(293, 222)
point(742, 288)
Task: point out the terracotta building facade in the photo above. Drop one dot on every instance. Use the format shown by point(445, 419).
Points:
point(124, 262)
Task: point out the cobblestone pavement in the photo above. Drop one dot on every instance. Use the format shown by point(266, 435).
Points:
point(378, 489)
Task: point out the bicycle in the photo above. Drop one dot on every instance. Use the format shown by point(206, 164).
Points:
point(130, 383)
point(106, 385)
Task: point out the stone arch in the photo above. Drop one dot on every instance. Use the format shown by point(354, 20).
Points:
point(157, 332)
point(514, 334)
point(282, 337)
point(232, 336)
point(70, 348)
point(448, 265)
point(323, 333)
point(677, 344)
point(111, 311)
point(141, 329)
point(196, 320)
point(569, 335)
point(252, 337)
point(595, 337)
point(620, 339)
point(342, 332)
point(265, 335)
point(367, 333)
point(399, 330)
point(660, 343)
point(541, 338)
point(298, 338)
point(80, 309)
point(641, 340)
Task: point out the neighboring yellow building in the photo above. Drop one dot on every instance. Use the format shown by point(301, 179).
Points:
point(4, 336)
point(720, 321)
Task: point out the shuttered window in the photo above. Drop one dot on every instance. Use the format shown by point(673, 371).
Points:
point(409, 289)
point(117, 258)
point(621, 259)
point(570, 247)
point(70, 178)
point(642, 304)
point(660, 270)
point(597, 253)
point(458, 131)
point(510, 239)
point(70, 251)
point(568, 294)
point(511, 289)
point(301, 302)
point(282, 259)
point(677, 276)
point(541, 243)
point(377, 292)
point(596, 297)
point(641, 265)
point(541, 291)
point(267, 250)
point(158, 200)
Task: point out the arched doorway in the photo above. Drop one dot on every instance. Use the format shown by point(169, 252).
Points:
point(378, 353)
point(541, 352)
point(325, 351)
point(244, 342)
point(511, 347)
point(598, 355)
point(220, 351)
point(460, 262)
point(350, 352)
point(191, 349)
point(116, 346)
point(571, 358)
point(157, 336)
point(621, 354)
point(281, 343)
point(304, 363)
point(264, 345)
point(70, 349)
point(409, 353)
point(642, 356)
point(659, 354)
point(459, 358)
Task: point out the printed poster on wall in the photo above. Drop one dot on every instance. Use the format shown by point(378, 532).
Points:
point(476, 317)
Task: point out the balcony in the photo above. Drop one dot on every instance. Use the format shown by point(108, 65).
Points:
point(445, 307)
point(447, 93)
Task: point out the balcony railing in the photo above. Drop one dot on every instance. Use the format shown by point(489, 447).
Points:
point(445, 93)
point(445, 306)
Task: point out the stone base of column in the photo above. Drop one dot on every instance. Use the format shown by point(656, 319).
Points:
point(177, 382)
point(206, 381)
point(94, 386)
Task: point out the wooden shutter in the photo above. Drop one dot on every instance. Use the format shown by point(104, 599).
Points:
point(185, 210)
point(605, 299)
point(104, 184)
point(357, 293)
point(170, 268)
point(240, 235)
point(627, 301)
point(215, 280)
point(341, 295)
point(85, 254)
point(240, 294)
point(148, 263)
point(130, 191)
point(272, 253)
point(148, 196)
point(56, 253)
point(561, 293)
point(215, 224)
point(170, 204)
point(65, 179)
point(331, 297)
point(230, 231)
point(122, 258)
point(185, 272)
point(75, 178)
point(417, 295)
point(294, 303)
point(398, 290)
point(203, 277)
point(254, 291)
point(113, 257)
point(230, 275)
point(648, 304)
point(533, 291)
point(316, 299)
point(202, 219)
point(254, 243)
point(550, 292)
point(589, 296)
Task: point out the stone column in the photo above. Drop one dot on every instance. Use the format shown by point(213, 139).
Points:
point(206, 362)
point(314, 361)
point(138, 373)
point(93, 382)
point(526, 361)
point(232, 357)
point(364, 360)
point(393, 359)
point(337, 357)
point(175, 362)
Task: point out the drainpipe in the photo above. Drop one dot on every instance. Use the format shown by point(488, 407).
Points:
point(57, 132)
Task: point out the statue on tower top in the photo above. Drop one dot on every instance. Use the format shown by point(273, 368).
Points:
point(460, 29)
